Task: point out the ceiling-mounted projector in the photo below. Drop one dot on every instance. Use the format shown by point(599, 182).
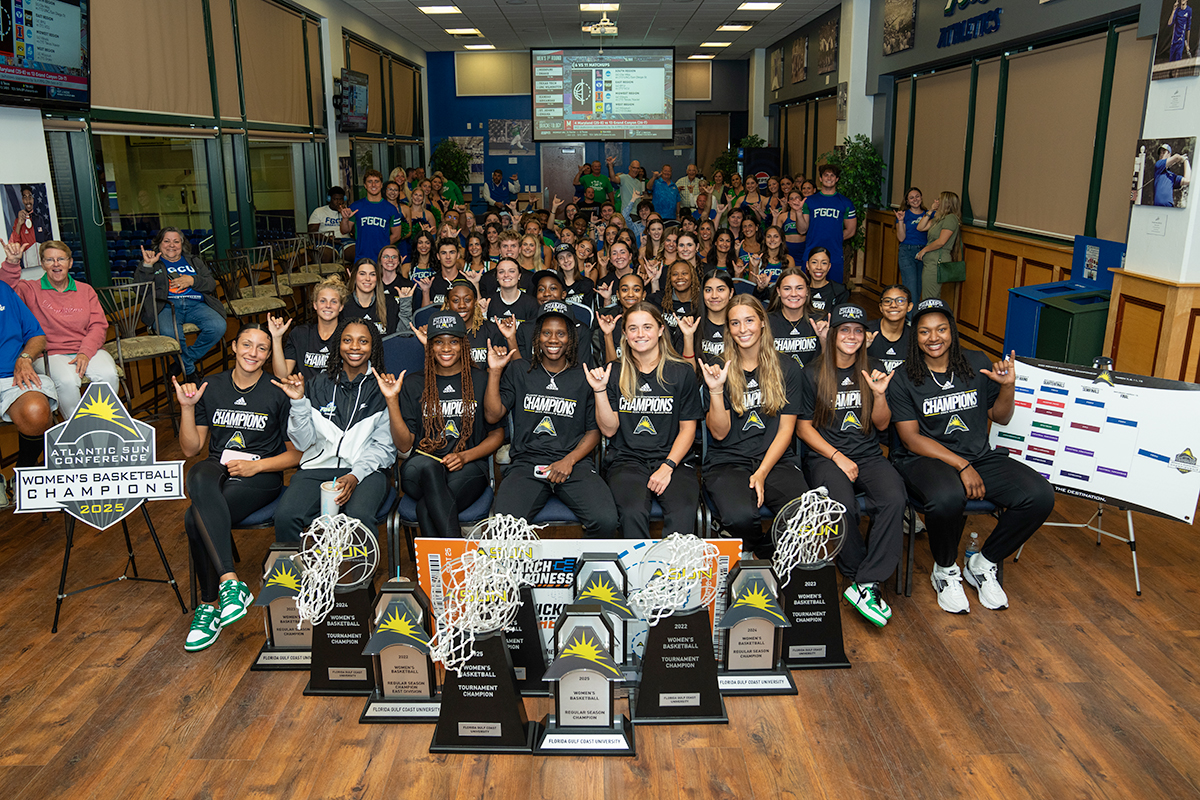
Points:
point(605, 27)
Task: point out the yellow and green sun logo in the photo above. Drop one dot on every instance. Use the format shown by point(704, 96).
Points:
point(283, 576)
point(758, 597)
point(603, 591)
point(105, 409)
point(589, 650)
point(396, 622)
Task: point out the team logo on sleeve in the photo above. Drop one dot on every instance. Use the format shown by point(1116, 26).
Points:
point(850, 422)
point(955, 425)
point(753, 421)
point(237, 440)
point(546, 426)
point(645, 426)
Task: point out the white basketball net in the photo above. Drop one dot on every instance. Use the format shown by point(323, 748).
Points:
point(325, 543)
point(807, 535)
point(482, 590)
point(683, 568)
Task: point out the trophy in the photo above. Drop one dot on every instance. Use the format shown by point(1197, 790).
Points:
point(754, 623)
point(585, 676)
point(337, 562)
point(600, 578)
point(678, 576)
point(405, 681)
point(481, 710)
point(289, 639)
point(507, 537)
point(808, 534)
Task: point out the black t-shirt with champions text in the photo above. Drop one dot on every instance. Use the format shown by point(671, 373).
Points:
point(306, 347)
point(477, 342)
point(673, 309)
point(648, 423)
point(709, 345)
point(829, 297)
point(953, 413)
point(847, 430)
point(582, 291)
point(550, 413)
point(752, 432)
point(450, 394)
point(795, 339)
point(352, 311)
point(891, 354)
point(252, 421)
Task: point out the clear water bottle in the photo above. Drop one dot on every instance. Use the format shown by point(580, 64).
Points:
point(972, 547)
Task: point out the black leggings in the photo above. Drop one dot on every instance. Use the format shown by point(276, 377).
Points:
point(679, 500)
point(441, 494)
point(1026, 497)
point(523, 495)
point(218, 501)
point(301, 503)
point(734, 501)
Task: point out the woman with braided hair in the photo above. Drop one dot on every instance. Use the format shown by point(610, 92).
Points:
point(441, 416)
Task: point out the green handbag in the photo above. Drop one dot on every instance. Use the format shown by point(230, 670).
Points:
point(952, 271)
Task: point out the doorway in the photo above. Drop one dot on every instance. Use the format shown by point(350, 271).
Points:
point(560, 164)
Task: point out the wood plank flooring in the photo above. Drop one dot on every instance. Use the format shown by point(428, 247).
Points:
point(1080, 690)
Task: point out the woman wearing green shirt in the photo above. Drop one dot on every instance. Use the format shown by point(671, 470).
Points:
point(941, 224)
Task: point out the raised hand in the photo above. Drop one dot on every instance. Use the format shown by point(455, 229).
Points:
point(714, 377)
point(292, 385)
point(188, 394)
point(507, 326)
point(899, 215)
point(653, 270)
point(821, 326)
point(598, 378)
point(483, 304)
point(689, 325)
point(425, 284)
point(1003, 372)
point(419, 333)
point(13, 251)
point(499, 357)
point(151, 257)
point(473, 275)
point(605, 291)
point(763, 280)
point(871, 338)
point(405, 291)
point(348, 212)
point(607, 323)
point(278, 326)
point(879, 381)
point(390, 385)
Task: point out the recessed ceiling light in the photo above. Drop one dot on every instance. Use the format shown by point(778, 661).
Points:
point(463, 31)
point(736, 26)
point(439, 9)
point(699, 57)
point(758, 6)
point(480, 46)
point(599, 6)
point(715, 44)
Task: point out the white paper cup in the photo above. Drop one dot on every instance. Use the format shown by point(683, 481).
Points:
point(329, 494)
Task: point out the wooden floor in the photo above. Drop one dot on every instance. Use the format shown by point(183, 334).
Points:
point(1080, 690)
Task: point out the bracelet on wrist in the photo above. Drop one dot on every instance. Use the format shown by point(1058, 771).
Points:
point(964, 466)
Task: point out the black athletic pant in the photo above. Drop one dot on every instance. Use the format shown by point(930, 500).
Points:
point(441, 494)
point(1026, 497)
point(301, 503)
point(735, 503)
point(521, 494)
point(218, 501)
point(679, 500)
point(865, 561)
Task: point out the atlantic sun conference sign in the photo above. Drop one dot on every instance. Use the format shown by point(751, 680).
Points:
point(100, 465)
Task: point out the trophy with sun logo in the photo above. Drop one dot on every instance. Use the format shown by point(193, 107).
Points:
point(600, 578)
point(678, 579)
point(585, 676)
point(754, 623)
point(289, 639)
point(405, 681)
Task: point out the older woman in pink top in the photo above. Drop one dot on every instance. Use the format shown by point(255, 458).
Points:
point(71, 317)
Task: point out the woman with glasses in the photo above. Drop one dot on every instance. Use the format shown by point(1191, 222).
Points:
point(887, 337)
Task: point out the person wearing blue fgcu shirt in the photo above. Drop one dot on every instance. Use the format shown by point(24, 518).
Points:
point(25, 399)
point(184, 291)
point(911, 239)
point(376, 222)
point(827, 220)
point(1165, 180)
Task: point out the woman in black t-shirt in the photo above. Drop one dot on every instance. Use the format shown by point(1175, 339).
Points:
point(308, 346)
point(648, 406)
point(941, 401)
point(704, 336)
point(887, 337)
point(843, 409)
point(824, 295)
point(243, 419)
point(367, 299)
point(631, 290)
point(441, 414)
point(798, 329)
point(754, 396)
point(462, 299)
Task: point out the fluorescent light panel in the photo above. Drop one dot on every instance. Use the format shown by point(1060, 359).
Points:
point(463, 31)
point(699, 57)
point(599, 6)
point(735, 27)
point(758, 6)
point(715, 44)
point(480, 46)
point(439, 9)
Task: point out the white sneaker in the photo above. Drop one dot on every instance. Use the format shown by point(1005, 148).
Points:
point(947, 582)
point(981, 574)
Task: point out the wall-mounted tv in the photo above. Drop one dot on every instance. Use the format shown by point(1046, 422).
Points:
point(618, 94)
point(354, 102)
point(44, 53)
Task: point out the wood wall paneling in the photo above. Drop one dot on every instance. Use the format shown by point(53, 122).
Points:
point(970, 308)
point(1001, 277)
point(1137, 335)
point(1189, 368)
point(1034, 272)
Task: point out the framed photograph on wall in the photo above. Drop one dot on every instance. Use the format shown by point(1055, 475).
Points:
point(1162, 172)
point(1175, 53)
point(827, 47)
point(800, 60)
point(899, 25)
point(777, 70)
point(510, 137)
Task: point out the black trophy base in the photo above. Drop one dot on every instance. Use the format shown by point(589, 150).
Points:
point(338, 667)
point(812, 603)
point(616, 740)
point(281, 659)
point(400, 710)
point(679, 674)
point(480, 745)
point(321, 691)
point(755, 682)
point(719, 718)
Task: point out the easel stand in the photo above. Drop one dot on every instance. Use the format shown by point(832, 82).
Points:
point(1098, 518)
point(130, 564)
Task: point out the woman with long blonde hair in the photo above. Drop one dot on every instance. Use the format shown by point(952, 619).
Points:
point(753, 400)
point(941, 225)
point(649, 406)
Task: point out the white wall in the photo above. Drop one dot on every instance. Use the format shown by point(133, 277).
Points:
point(21, 132)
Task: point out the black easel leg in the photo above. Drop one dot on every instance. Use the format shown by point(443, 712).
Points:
point(62, 581)
point(163, 556)
point(129, 548)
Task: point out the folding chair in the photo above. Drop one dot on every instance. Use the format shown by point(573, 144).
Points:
point(124, 304)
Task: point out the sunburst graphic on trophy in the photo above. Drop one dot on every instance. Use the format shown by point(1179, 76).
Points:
point(758, 597)
point(285, 577)
point(604, 592)
point(401, 624)
point(104, 409)
point(589, 650)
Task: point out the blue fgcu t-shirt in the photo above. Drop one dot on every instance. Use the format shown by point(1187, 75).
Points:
point(373, 227)
point(826, 215)
point(17, 326)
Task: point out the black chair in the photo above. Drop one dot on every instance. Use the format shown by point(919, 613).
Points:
point(124, 305)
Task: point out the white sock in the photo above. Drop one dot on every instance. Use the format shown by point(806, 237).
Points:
point(940, 570)
point(982, 563)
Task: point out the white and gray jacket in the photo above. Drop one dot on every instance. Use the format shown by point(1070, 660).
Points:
point(342, 423)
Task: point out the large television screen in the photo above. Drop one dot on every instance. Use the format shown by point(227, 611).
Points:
point(586, 95)
point(354, 102)
point(44, 53)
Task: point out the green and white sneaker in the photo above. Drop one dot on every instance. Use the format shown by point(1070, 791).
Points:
point(866, 600)
point(205, 628)
point(235, 601)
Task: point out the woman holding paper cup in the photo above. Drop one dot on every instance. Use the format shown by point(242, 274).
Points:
point(241, 417)
point(340, 420)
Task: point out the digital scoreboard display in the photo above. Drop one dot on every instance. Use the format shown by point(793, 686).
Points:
point(44, 53)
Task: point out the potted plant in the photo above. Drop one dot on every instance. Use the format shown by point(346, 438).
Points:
point(452, 160)
point(727, 162)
